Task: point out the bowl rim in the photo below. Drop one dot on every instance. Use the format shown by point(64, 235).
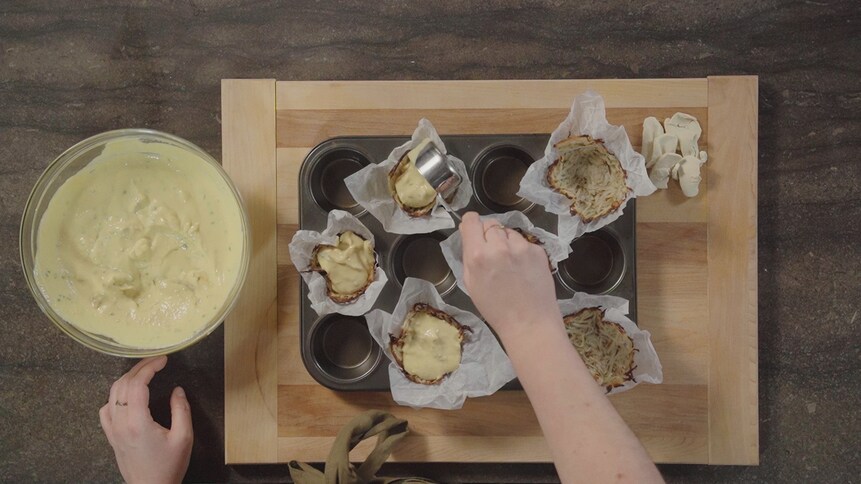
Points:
point(84, 337)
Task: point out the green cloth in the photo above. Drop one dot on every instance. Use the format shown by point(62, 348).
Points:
point(388, 429)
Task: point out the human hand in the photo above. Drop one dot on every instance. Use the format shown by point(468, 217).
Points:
point(145, 451)
point(507, 278)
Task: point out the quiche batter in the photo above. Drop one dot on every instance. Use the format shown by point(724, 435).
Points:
point(349, 265)
point(412, 188)
point(143, 246)
point(432, 347)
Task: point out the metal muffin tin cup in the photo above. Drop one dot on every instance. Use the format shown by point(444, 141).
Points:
point(596, 263)
point(341, 348)
point(419, 256)
point(327, 178)
point(496, 178)
point(335, 348)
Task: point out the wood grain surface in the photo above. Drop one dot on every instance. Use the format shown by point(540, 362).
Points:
point(733, 300)
point(676, 251)
point(250, 415)
point(303, 128)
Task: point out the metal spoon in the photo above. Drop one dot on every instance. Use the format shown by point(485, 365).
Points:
point(436, 168)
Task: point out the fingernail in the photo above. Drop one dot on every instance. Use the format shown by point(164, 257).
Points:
point(180, 392)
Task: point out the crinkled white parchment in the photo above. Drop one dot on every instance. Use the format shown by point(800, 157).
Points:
point(301, 249)
point(647, 365)
point(587, 117)
point(484, 366)
point(370, 188)
point(452, 247)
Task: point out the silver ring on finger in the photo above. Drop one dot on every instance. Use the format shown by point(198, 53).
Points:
point(496, 226)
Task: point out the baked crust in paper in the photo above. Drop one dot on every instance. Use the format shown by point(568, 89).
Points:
point(605, 347)
point(333, 295)
point(397, 342)
point(590, 176)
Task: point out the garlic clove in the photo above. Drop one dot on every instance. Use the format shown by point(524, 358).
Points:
point(660, 173)
point(665, 143)
point(688, 130)
point(689, 175)
point(651, 130)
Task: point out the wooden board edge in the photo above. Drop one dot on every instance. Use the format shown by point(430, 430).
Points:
point(488, 94)
point(251, 382)
point(465, 449)
point(732, 262)
point(300, 128)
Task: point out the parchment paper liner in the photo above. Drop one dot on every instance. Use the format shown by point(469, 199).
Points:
point(484, 366)
point(587, 117)
point(647, 365)
point(369, 187)
point(301, 249)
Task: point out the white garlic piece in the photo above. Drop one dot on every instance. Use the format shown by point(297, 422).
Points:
point(660, 174)
point(689, 175)
point(663, 144)
point(688, 130)
point(651, 130)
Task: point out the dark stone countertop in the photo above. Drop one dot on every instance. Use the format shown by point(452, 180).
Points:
point(71, 71)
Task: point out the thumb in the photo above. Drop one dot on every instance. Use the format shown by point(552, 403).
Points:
point(180, 416)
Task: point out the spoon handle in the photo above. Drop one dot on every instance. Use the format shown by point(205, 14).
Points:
point(449, 210)
point(456, 216)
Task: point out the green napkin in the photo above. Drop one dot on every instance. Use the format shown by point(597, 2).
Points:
point(388, 429)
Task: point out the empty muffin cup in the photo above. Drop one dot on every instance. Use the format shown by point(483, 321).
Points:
point(420, 256)
point(327, 179)
point(343, 349)
point(595, 265)
point(496, 178)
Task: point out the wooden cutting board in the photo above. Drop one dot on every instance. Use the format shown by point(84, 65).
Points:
point(696, 269)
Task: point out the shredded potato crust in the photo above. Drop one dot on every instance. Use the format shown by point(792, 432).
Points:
point(605, 347)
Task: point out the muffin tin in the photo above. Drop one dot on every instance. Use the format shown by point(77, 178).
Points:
point(337, 350)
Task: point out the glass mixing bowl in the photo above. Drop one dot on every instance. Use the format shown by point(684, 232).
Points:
point(71, 162)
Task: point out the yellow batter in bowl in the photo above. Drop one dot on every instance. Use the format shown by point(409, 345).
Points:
point(144, 247)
